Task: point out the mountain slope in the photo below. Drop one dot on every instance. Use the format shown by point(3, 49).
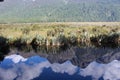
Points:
point(59, 10)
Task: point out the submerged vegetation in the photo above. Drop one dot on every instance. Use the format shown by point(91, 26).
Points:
point(60, 34)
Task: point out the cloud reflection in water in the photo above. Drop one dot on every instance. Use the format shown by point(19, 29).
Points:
point(108, 71)
point(31, 68)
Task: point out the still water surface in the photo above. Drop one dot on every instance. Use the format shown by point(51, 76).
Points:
point(74, 63)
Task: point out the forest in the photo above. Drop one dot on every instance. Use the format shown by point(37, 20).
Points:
point(24, 11)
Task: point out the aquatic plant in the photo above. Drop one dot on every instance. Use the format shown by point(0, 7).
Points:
point(54, 40)
point(11, 40)
point(3, 41)
point(72, 38)
point(106, 40)
point(38, 40)
point(48, 41)
point(23, 40)
point(61, 40)
point(56, 33)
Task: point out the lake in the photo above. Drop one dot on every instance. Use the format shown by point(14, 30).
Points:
point(59, 63)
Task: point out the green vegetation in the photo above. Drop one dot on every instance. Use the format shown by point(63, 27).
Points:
point(58, 34)
point(59, 11)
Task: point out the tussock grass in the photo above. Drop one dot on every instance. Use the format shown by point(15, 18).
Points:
point(72, 31)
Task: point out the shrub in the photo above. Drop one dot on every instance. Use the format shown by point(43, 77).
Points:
point(38, 40)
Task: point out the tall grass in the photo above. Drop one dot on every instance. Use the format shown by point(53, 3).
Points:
point(58, 34)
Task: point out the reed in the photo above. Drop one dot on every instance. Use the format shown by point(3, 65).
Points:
point(58, 34)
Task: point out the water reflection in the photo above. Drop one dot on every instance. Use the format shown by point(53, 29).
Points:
point(84, 56)
point(79, 56)
point(16, 67)
point(4, 48)
point(59, 63)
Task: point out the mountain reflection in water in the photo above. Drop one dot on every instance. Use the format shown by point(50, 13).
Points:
point(78, 56)
point(74, 63)
point(15, 67)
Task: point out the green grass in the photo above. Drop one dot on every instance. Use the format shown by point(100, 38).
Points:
point(28, 31)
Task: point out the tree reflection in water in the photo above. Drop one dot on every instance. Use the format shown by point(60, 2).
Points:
point(28, 62)
point(80, 56)
point(4, 48)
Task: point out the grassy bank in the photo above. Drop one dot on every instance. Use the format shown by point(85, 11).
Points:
point(58, 33)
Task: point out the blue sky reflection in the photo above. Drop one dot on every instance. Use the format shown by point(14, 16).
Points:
point(35, 68)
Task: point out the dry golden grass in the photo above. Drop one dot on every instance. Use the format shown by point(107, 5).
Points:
point(16, 30)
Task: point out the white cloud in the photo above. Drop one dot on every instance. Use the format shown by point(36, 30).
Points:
point(66, 67)
point(112, 71)
point(16, 58)
point(94, 69)
point(30, 72)
point(23, 71)
point(9, 74)
point(107, 71)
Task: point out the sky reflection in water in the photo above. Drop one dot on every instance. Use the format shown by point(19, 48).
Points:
point(15, 67)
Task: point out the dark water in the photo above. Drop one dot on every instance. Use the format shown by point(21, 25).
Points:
point(59, 63)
